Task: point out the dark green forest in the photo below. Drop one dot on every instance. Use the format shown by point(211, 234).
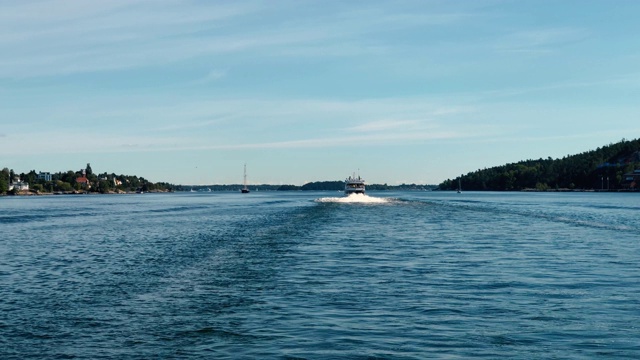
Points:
point(600, 169)
point(67, 182)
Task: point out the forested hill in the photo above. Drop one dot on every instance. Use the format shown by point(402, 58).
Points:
point(602, 168)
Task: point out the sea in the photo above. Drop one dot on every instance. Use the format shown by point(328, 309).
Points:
point(317, 275)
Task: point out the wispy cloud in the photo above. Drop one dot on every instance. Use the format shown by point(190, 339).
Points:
point(229, 124)
point(383, 125)
point(73, 142)
point(213, 76)
point(621, 80)
point(341, 141)
point(190, 125)
point(67, 36)
point(615, 134)
point(65, 143)
point(540, 40)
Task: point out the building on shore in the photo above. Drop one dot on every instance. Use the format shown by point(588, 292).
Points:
point(631, 181)
point(46, 176)
point(18, 185)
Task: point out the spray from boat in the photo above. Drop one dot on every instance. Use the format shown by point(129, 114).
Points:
point(354, 189)
point(355, 198)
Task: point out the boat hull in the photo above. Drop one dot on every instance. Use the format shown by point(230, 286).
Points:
point(354, 191)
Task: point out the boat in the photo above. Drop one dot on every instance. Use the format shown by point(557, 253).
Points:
point(459, 187)
point(354, 185)
point(245, 189)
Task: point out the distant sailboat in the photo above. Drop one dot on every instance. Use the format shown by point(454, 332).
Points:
point(459, 187)
point(245, 189)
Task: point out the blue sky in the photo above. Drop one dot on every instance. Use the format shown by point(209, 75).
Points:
point(405, 91)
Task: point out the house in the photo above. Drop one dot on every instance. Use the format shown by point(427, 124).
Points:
point(631, 180)
point(46, 176)
point(18, 185)
point(83, 181)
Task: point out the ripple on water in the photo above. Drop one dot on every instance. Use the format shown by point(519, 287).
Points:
point(291, 275)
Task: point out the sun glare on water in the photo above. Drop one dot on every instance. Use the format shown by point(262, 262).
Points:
point(355, 198)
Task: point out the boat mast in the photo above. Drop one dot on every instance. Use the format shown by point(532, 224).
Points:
point(245, 177)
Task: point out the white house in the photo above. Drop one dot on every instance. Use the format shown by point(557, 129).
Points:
point(18, 185)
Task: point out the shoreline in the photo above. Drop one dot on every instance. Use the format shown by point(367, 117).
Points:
point(57, 193)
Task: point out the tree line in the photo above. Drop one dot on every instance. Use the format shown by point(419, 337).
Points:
point(339, 186)
point(67, 182)
point(334, 185)
point(602, 168)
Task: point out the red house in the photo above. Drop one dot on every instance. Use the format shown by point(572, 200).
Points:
point(83, 181)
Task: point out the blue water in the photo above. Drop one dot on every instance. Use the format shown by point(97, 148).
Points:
point(308, 275)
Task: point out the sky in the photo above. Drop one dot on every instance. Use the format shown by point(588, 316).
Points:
point(187, 92)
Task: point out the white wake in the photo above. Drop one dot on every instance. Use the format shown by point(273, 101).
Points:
point(355, 198)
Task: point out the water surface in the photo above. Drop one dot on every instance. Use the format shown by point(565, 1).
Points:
point(312, 275)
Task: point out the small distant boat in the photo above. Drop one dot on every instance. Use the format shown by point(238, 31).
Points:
point(459, 187)
point(245, 189)
point(354, 185)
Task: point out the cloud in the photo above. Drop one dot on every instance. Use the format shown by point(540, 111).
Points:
point(383, 125)
point(341, 141)
point(540, 40)
point(69, 37)
point(237, 121)
point(631, 79)
point(214, 75)
point(189, 125)
point(66, 37)
point(71, 142)
point(228, 132)
point(96, 143)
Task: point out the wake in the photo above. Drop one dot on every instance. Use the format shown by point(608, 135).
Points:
point(355, 199)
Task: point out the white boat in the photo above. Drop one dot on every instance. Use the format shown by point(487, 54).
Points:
point(354, 185)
